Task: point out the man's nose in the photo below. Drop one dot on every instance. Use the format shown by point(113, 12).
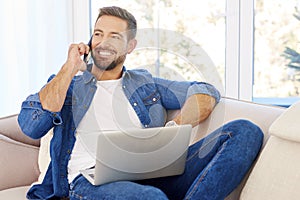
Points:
point(106, 40)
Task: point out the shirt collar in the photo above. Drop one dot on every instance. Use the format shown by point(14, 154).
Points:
point(88, 76)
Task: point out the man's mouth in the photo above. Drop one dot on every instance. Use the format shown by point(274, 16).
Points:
point(105, 52)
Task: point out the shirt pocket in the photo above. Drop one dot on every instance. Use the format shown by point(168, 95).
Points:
point(152, 99)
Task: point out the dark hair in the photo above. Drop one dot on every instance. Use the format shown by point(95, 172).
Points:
point(122, 14)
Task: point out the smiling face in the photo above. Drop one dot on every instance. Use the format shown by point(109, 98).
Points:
point(110, 43)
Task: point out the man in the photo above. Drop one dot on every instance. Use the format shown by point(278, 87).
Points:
point(87, 102)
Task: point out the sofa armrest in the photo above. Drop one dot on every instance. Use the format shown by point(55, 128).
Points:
point(230, 109)
point(18, 163)
point(9, 127)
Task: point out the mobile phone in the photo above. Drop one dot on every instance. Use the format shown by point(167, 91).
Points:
point(87, 57)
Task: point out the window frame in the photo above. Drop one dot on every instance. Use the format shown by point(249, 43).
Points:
point(239, 52)
point(239, 49)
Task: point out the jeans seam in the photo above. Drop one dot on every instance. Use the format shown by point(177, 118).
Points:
point(207, 143)
point(195, 187)
point(77, 196)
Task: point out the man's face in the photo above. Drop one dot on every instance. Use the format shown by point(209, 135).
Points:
point(109, 43)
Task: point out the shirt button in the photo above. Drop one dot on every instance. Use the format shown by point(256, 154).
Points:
point(124, 86)
point(134, 104)
point(154, 99)
point(146, 125)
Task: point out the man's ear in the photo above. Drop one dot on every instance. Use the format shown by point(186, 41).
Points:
point(131, 45)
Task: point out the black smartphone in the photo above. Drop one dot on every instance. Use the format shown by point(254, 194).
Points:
point(86, 57)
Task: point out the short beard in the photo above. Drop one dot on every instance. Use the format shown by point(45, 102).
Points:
point(112, 65)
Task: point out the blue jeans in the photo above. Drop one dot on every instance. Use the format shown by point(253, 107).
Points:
point(215, 166)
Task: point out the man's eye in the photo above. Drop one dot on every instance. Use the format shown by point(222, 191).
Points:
point(97, 34)
point(116, 37)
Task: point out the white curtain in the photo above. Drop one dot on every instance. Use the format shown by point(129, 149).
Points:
point(34, 38)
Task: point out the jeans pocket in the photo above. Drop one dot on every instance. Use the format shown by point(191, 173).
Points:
point(74, 182)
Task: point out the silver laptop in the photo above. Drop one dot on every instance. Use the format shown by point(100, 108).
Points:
point(139, 154)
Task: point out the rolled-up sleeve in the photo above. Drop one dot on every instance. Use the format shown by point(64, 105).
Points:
point(203, 88)
point(175, 93)
point(34, 120)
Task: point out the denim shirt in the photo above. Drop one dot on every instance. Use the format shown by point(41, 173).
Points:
point(150, 97)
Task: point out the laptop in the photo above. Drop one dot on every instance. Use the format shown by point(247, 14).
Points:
point(136, 154)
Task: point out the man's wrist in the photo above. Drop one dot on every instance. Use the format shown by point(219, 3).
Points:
point(69, 68)
point(171, 123)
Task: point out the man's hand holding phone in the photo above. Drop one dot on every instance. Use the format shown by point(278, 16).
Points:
point(53, 95)
point(74, 60)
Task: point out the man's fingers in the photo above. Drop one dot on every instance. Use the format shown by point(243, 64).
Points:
point(83, 48)
point(75, 53)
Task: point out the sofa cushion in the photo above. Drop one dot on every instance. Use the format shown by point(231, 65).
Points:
point(9, 127)
point(276, 174)
point(44, 155)
point(287, 125)
point(17, 163)
point(18, 193)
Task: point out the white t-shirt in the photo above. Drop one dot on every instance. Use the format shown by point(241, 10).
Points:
point(109, 110)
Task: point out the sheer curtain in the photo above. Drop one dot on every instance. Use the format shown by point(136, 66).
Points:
point(34, 37)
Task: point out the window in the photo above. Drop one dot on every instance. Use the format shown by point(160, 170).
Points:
point(176, 39)
point(34, 41)
point(248, 37)
point(277, 37)
point(242, 47)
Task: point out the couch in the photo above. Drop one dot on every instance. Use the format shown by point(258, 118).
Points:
point(22, 162)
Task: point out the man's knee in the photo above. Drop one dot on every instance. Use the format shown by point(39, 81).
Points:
point(243, 126)
point(150, 193)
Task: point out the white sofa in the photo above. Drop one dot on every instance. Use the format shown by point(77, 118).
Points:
point(21, 164)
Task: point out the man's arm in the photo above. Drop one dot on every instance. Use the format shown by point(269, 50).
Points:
point(40, 111)
point(196, 100)
point(196, 109)
point(53, 95)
